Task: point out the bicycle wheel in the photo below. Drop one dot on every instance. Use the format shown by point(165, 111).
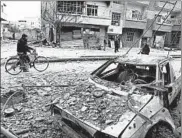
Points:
point(12, 66)
point(41, 63)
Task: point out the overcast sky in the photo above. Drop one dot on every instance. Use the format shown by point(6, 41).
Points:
point(17, 10)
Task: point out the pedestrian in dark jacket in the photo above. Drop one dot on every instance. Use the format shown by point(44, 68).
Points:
point(22, 49)
point(116, 44)
point(145, 49)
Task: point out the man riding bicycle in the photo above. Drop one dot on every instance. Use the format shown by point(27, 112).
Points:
point(22, 49)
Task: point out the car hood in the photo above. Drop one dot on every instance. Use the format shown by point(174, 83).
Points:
point(97, 107)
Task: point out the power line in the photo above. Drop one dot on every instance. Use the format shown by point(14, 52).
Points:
point(165, 19)
point(147, 28)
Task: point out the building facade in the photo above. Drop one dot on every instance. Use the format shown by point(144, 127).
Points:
point(129, 20)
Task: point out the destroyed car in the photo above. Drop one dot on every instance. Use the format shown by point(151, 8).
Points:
point(126, 97)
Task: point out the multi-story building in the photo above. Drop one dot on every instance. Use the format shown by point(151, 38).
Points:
point(129, 20)
point(78, 16)
point(173, 38)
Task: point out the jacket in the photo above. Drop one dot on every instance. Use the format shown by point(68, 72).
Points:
point(22, 46)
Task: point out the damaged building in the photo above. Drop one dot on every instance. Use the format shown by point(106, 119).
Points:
point(71, 19)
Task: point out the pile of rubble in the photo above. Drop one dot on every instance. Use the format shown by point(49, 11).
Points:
point(92, 104)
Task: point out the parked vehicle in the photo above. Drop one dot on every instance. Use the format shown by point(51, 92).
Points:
point(126, 97)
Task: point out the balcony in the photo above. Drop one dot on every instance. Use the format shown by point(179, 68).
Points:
point(176, 24)
point(164, 27)
point(135, 21)
point(176, 21)
point(84, 19)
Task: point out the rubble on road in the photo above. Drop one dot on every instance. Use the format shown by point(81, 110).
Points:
point(31, 116)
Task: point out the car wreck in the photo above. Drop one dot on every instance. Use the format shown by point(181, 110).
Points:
point(126, 97)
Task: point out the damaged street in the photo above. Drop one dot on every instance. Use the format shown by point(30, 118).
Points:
point(31, 117)
point(90, 69)
point(30, 114)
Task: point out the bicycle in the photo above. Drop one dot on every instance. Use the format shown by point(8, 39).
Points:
point(14, 65)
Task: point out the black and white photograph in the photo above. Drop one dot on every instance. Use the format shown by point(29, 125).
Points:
point(90, 69)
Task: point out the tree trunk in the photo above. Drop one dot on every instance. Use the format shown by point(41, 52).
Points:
point(60, 36)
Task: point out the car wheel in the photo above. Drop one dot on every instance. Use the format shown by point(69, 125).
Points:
point(160, 131)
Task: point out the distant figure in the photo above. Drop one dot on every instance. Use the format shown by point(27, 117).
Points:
point(45, 42)
point(13, 36)
point(105, 43)
point(109, 43)
point(116, 44)
point(145, 48)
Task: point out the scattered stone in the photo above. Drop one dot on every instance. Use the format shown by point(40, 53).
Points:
point(17, 122)
point(98, 94)
point(18, 108)
point(71, 100)
point(45, 109)
point(25, 135)
point(48, 89)
point(40, 119)
point(72, 103)
point(43, 130)
point(42, 93)
point(84, 108)
point(30, 117)
point(66, 96)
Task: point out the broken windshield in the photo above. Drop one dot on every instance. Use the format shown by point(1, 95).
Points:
point(122, 73)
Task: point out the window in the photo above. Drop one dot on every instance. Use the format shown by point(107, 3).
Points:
point(117, 2)
point(116, 19)
point(74, 7)
point(92, 10)
point(175, 38)
point(159, 18)
point(136, 15)
point(130, 36)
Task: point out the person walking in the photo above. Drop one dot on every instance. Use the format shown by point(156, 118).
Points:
point(116, 44)
point(105, 43)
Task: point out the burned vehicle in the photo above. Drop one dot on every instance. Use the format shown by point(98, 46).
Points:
point(126, 97)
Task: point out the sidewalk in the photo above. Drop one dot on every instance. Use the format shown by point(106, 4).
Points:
point(75, 54)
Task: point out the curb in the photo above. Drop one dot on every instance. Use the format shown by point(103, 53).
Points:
point(82, 58)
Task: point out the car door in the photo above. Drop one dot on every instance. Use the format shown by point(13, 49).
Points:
point(175, 85)
point(167, 81)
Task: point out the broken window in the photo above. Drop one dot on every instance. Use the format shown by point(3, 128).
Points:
point(121, 72)
point(73, 7)
point(136, 15)
point(116, 18)
point(130, 36)
point(92, 10)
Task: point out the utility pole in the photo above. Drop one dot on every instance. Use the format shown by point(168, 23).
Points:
point(150, 19)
